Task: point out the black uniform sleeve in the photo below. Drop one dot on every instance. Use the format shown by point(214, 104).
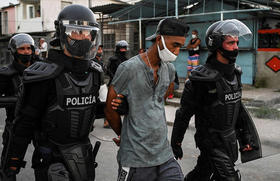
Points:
point(112, 66)
point(109, 67)
point(242, 127)
point(31, 106)
point(4, 85)
point(184, 113)
point(100, 110)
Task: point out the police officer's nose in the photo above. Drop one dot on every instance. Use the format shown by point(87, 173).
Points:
point(235, 46)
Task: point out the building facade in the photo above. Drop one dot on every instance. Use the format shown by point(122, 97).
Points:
point(200, 14)
point(35, 17)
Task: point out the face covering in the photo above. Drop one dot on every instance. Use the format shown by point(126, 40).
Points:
point(165, 54)
point(78, 47)
point(230, 55)
point(193, 36)
point(98, 55)
point(122, 54)
point(24, 58)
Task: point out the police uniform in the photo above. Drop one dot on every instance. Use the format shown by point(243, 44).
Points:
point(57, 110)
point(10, 80)
point(213, 94)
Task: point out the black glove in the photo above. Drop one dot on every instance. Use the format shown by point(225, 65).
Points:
point(13, 167)
point(11, 173)
point(122, 109)
point(177, 150)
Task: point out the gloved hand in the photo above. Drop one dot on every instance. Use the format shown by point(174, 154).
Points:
point(11, 172)
point(13, 167)
point(120, 104)
point(177, 150)
point(8, 174)
point(248, 147)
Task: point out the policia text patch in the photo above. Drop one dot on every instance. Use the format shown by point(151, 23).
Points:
point(79, 100)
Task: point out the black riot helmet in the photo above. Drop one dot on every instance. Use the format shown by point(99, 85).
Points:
point(78, 31)
point(216, 33)
point(121, 44)
point(17, 41)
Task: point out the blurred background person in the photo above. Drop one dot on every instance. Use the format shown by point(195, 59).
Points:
point(193, 48)
point(117, 59)
point(21, 47)
point(103, 88)
point(43, 46)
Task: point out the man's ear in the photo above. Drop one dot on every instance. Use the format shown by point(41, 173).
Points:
point(158, 38)
point(158, 42)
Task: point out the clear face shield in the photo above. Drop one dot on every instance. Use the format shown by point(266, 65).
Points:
point(234, 28)
point(82, 39)
point(20, 40)
point(22, 43)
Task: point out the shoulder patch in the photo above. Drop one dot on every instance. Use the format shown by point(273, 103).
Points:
point(40, 71)
point(8, 70)
point(204, 73)
point(96, 66)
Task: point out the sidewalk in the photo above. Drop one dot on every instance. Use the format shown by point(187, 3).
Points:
point(269, 130)
point(251, 96)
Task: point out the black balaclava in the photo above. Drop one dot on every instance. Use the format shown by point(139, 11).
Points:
point(19, 66)
point(79, 68)
point(230, 55)
point(78, 47)
point(227, 70)
point(121, 55)
point(23, 58)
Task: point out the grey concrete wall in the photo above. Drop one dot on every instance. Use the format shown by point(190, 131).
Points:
point(264, 73)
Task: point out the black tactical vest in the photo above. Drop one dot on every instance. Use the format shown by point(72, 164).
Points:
point(70, 118)
point(222, 102)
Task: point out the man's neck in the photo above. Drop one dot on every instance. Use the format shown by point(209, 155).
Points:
point(152, 54)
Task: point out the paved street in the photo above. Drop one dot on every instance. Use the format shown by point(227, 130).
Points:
point(106, 158)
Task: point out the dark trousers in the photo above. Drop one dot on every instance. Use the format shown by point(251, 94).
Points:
point(168, 171)
point(213, 165)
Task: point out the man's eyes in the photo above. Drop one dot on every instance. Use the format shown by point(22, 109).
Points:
point(233, 42)
point(22, 48)
point(177, 45)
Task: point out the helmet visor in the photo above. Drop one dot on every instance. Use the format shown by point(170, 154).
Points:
point(233, 28)
point(24, 40)
point(83, 38)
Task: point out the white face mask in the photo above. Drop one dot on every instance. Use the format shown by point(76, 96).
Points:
point(193, 36)
point(165, 54)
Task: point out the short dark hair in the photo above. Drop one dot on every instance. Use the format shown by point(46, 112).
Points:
point(170, 27)
point(195, 31)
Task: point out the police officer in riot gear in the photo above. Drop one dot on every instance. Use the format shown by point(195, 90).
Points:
point(117, 59)
point(213, 95)
point(59, 103)
point(21, 47)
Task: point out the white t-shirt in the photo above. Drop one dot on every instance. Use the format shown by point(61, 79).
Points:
point(44, 47)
